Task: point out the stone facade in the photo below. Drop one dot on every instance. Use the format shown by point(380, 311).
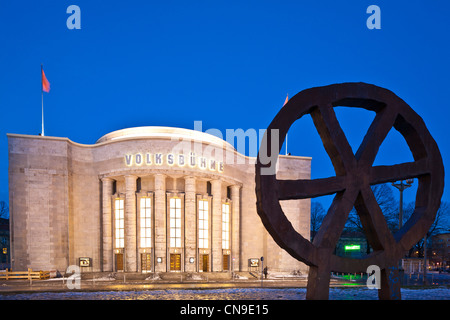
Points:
point(65, 204)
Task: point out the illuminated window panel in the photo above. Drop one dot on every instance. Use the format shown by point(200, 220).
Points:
point(225, 226)
point(203, 225)
point(146, 222)
point(175, 222)
point(119, 223)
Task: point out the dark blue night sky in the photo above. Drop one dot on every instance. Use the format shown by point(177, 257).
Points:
point(229, 64)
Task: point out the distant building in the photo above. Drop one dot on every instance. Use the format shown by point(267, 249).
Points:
point(148, 199)
point(439, 252)
point(351, 245)
point(413, 265)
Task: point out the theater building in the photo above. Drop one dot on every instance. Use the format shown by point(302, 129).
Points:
point(147, 199)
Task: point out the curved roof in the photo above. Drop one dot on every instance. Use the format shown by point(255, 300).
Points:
point(164, 133)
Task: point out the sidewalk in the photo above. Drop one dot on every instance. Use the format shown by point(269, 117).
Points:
point(108, 284)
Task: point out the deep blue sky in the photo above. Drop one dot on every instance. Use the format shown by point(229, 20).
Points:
point(227, 63)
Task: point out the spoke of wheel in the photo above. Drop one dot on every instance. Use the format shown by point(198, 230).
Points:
point(303, 189)
point(335, 219)
point(378, 130)
point(333, 139)
point(373, 221)
point(383, 174)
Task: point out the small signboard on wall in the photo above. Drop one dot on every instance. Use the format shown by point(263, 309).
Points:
point(84, 262)
point(253, 262)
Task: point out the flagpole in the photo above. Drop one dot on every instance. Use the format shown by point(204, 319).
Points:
point(42, 97)
point(286, 142)
point(285, 101)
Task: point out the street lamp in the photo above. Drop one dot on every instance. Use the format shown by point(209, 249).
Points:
point(402, 186)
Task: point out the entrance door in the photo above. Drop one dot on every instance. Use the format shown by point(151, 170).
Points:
point(205, 263)
point(146, 262)
point(175, 262)
point(119, 261)
point(226, 262)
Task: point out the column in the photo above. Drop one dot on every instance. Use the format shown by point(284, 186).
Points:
point(107, 185)
point(160, 223)
point(190, 223)
point(130, 224)
point(216, 250)
point(235, 228)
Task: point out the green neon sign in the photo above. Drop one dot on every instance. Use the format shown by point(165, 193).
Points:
point(352, 247)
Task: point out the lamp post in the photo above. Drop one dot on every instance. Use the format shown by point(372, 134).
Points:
point(262, 271)
point(401, 187)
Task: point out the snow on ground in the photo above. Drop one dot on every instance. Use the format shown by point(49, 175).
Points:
point(153, 277)
point(363, 293)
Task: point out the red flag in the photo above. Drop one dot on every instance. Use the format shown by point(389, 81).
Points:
point(45, 83)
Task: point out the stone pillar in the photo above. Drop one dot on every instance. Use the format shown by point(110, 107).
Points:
point(216, 222)
point(160, 223)
point(190, 224)
point(235, 228)
point(107, 184)
point(130, 224)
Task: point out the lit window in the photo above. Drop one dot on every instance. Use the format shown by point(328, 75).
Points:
point(146, 222)
point(175, 222)
point(119, 223)
point(225, 226)
point(203, 226)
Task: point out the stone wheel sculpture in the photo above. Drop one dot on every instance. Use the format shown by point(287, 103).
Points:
point(355, 174)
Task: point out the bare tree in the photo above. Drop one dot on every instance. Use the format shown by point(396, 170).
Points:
point(388, 204)
point(440, 225)
point(386, 201)
point(3, 210)
point(317, 215)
